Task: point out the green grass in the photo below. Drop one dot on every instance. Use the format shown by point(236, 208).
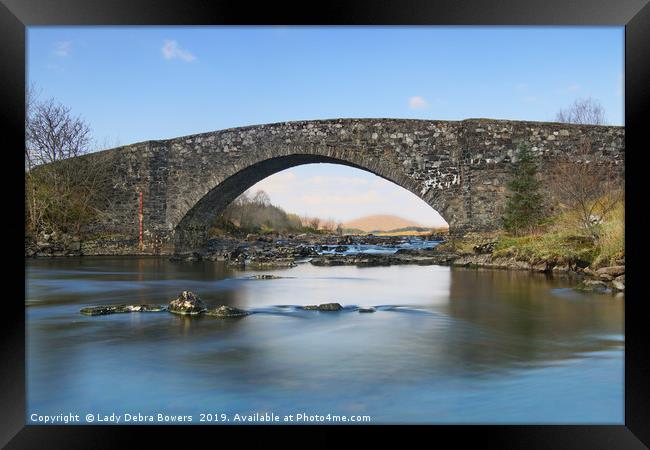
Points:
point(611, 242)
point(562, 247)
point(560, 239)
point(564, 241)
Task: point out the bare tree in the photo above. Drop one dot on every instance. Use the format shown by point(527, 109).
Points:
point(329, 225)
point(62, 191)
point(585, 111)
point(261, 198)
point(314, 222)
point(53, 134)
point(339, 228)
point(590, 187)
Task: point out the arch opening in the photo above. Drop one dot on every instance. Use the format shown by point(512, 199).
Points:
point(193, 230)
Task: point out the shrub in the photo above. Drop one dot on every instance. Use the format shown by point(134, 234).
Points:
point(524, 207)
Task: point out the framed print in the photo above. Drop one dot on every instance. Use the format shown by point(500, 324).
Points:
point(365, 218)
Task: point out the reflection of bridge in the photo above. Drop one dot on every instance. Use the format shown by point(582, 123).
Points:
point(459, 168)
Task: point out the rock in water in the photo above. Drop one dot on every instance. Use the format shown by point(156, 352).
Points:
point(591, 286)
point(265, 277)
point(367, 309)
point(144, 308)
point(186, 303)
point(324, 307)
point(225, 311)
point(113, 309)
point(100, 310)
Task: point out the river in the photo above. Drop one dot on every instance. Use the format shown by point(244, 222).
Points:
point(445, 345)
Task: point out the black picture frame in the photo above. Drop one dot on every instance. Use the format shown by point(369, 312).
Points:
point(16, 15)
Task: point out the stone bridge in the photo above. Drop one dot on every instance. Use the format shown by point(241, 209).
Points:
point(460, 168)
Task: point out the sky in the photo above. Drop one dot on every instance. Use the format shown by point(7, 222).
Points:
point(133, 84)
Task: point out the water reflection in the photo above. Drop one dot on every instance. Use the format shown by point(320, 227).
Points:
point(444, 346)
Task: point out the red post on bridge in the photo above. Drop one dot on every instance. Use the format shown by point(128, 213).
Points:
point(140, 223)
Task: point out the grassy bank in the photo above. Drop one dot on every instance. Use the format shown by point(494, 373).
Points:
point(561, 239)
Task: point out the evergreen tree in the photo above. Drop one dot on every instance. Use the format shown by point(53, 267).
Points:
point(524, 207)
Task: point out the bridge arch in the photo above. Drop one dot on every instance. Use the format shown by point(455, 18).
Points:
point(192, 230)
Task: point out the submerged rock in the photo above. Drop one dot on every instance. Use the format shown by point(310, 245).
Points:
point(592, 286)
point(113, 309)
point(226, 311)
point(186, 303)
point(324, 307)
point(265, 277)
point(618, 285)
point(367, 309)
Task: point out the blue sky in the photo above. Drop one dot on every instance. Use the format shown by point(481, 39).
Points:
point(137, 83)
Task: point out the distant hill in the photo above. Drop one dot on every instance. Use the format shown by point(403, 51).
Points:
point(380, 223)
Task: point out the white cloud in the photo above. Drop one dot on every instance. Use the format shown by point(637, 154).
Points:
point(62, 49)
point(417, 102)
point(171, 50)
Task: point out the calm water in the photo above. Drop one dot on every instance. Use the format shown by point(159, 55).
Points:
point(445, 345)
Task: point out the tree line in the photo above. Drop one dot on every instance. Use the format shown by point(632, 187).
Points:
point(256, 214)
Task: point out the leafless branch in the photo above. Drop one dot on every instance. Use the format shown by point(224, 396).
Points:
point(586, 111)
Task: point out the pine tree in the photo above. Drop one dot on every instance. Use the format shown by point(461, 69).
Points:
point(524, 207)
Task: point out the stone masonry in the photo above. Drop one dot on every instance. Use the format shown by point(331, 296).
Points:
point(460, 168)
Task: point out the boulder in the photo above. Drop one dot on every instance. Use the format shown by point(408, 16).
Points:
point(186, 303)
point(347, 240)
point(612, 271)
point(225, 311)
point(484, 248)
point(195, 256)
point(619, 286)
point(367, 309)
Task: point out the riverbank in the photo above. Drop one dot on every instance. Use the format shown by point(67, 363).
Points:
point(474, 250)
point(569, 256)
